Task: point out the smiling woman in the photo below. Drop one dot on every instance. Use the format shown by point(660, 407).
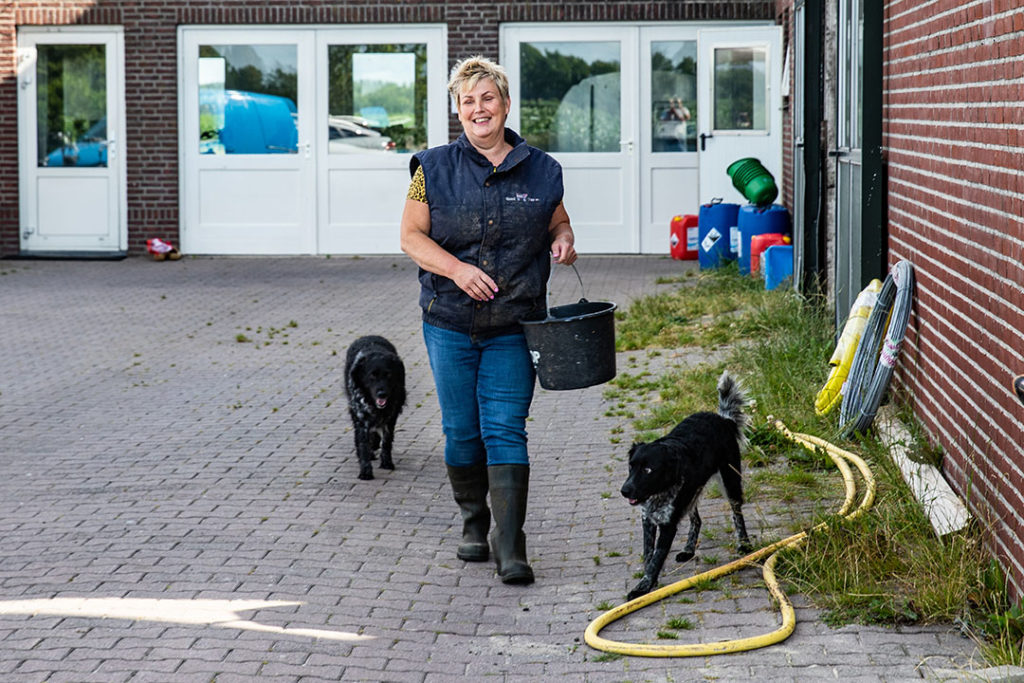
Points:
point(483, 219)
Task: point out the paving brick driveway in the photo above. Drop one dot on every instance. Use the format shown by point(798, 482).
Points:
point(178, 499)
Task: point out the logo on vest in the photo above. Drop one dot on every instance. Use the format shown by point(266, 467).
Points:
point(521, 197)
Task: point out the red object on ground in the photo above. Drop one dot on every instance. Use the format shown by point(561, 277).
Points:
point(683, 238)
point(758, 243)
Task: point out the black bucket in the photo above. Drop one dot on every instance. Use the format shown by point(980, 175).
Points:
point(574, 345)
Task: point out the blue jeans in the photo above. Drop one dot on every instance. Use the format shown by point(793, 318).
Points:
point(485, 388)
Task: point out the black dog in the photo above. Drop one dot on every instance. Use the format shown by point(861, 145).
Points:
point(375, 384)
point(667, 476)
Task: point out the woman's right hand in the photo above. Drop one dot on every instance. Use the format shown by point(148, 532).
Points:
point(474, 282)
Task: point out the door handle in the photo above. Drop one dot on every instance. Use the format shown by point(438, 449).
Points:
point(628, 143)
point(703, 138)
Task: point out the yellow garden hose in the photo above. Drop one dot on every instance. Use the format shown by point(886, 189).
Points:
point(842, 460)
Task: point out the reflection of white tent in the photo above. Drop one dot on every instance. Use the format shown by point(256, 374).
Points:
point(587, 119)
point(674, 84)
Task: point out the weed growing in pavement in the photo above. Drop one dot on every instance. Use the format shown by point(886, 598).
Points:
point(680, 624)
point(608, 657)
point(885, 567)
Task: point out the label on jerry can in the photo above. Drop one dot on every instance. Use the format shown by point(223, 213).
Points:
point(711, 239)
point(691, 239)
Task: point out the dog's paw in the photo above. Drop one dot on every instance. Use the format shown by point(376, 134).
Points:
point(366, 475)
point(684, 555)
point(386, 464)
point(642, 588)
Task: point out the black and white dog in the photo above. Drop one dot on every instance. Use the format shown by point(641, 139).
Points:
point(667, 476)
point(375, 385)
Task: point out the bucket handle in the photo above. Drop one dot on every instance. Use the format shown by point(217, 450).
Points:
point(547, 289)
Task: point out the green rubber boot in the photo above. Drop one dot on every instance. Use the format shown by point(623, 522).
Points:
point(509, 485)
point(469, 488)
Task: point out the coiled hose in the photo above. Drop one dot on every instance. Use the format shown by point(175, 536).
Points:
point(877, 352)
point(842, 460)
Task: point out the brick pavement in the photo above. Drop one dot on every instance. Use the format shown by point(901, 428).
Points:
point(174, 438)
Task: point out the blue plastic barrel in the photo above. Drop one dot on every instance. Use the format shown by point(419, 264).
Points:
point(715, 222)
point(758, 220)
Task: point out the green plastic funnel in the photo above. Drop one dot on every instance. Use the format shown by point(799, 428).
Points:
point(753, 181)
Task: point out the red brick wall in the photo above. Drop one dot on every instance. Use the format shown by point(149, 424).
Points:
point(954, 138)
point(151, 68)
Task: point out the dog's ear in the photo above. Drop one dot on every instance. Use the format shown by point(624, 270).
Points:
point(671, 464)
point(633, 448)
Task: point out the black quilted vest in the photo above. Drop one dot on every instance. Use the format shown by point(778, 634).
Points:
point(496, 219)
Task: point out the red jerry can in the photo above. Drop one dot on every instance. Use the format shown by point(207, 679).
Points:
point(683, 238)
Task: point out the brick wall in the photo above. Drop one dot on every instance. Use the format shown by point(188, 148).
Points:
point(954, 83)
point(151, 68)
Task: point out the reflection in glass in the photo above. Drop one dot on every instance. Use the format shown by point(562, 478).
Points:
point(571, 94)
point(740, 89)
point(71, 105)
point(674, 96)
point(247, 96)
point(377, 98)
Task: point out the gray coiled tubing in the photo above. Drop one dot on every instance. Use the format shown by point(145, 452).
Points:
point(879, 348)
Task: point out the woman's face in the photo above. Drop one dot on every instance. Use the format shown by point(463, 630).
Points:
point(482, 112)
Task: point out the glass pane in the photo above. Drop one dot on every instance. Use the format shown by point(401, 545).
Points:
point(247, 99)
point(71, 101)
point(741, 90)
point(674, 96)
point(571, 95)
point(377, 98)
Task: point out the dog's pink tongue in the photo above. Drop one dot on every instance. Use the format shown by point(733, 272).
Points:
point(381, 402)
point(633, 501)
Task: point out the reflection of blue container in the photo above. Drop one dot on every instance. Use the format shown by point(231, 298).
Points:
point(756, 220)
point(778, 264)
point(715, 222)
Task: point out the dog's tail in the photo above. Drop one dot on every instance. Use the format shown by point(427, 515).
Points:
point(731, 402)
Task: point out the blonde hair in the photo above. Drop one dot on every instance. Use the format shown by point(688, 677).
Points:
point(471, 70)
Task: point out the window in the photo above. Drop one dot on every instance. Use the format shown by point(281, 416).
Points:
point(571, 94)
point(741, 89)
point(247, 99)
point(377, 98)
point(71, 105)
point(674, 96)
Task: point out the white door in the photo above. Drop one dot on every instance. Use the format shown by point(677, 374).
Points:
point(71, 141)
point(668, 137)
point(380, 98)
point(740, 113)
point(246, 121)
point(297, 140)
point(574, 93)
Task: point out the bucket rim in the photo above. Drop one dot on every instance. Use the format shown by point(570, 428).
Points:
point(609, 307)
point(729, 170)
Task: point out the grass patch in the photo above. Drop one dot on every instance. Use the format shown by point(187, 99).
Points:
point(885, 567)
point(680, 624)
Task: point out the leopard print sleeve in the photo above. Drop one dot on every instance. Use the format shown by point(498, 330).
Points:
point(418, 187)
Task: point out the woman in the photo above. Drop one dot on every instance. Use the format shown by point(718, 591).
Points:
point(482, 215)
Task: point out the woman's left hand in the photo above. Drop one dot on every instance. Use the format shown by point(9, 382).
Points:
point(563, 251)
